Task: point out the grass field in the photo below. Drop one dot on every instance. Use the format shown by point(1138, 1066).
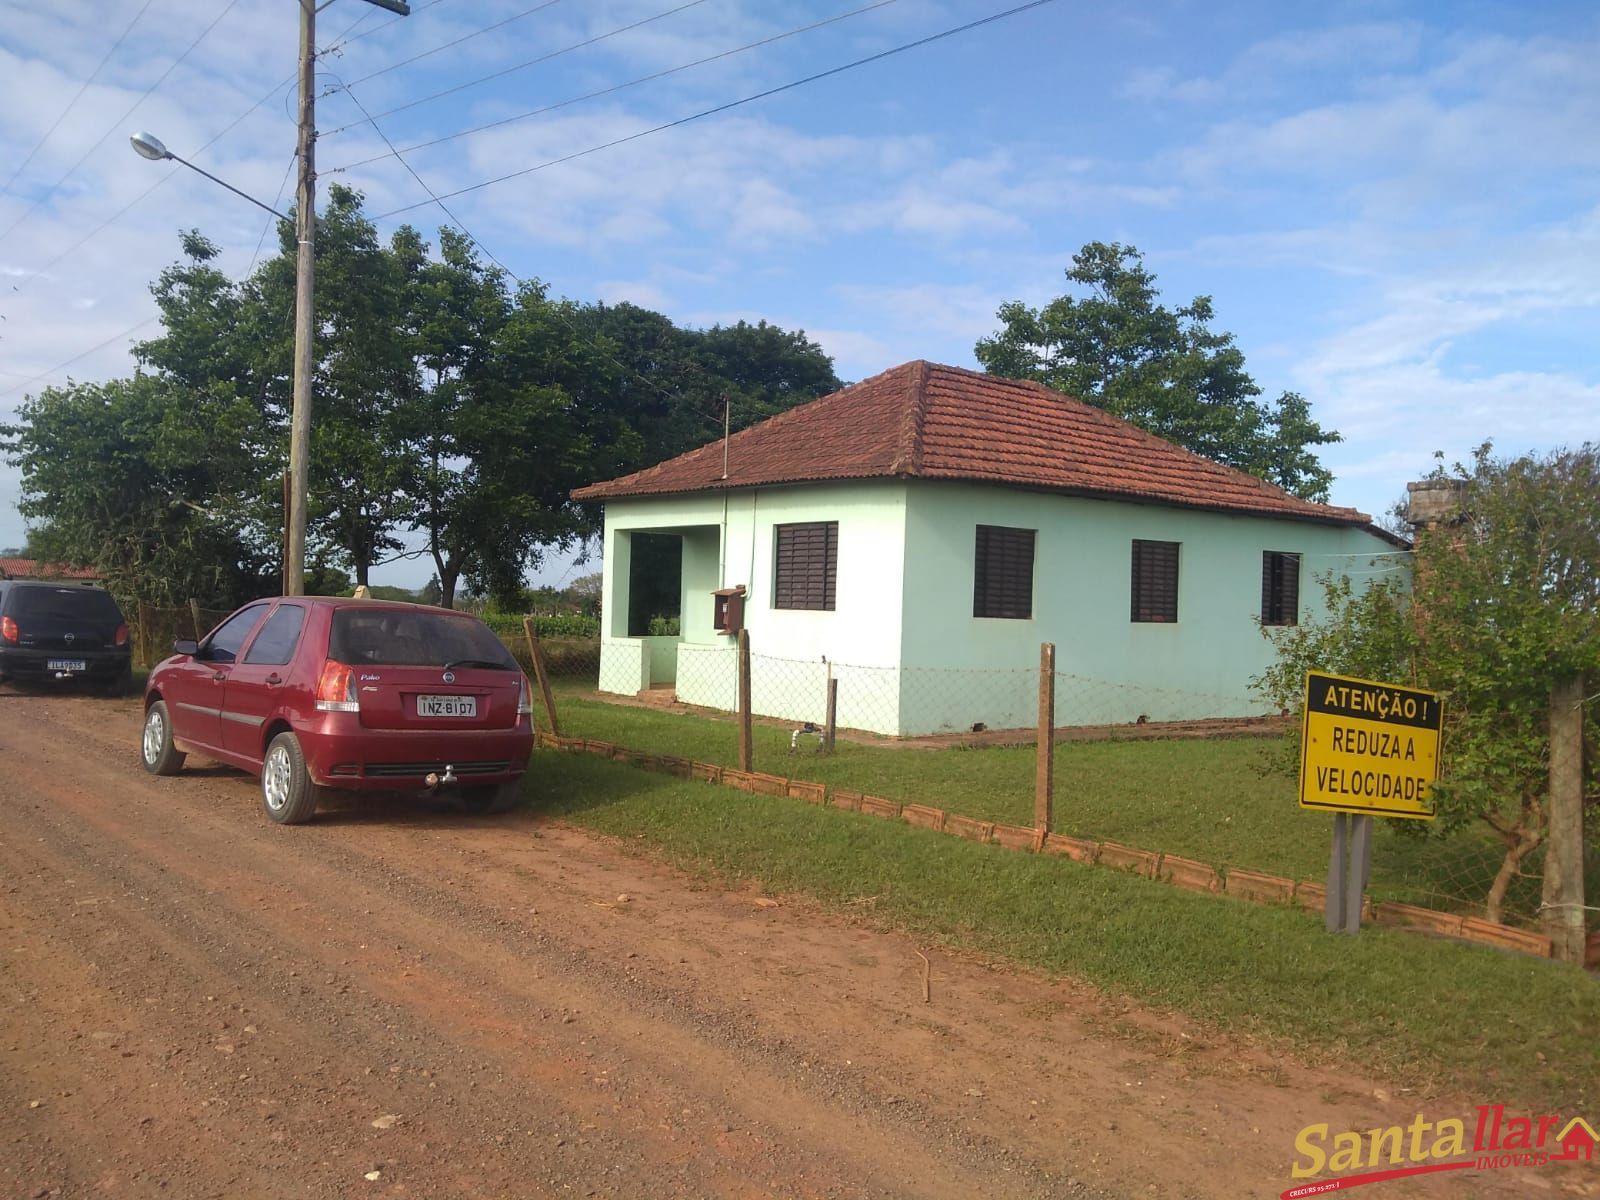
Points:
point(1433, 1015)
point(1213, 800)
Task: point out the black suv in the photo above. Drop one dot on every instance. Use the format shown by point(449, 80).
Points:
point(53, 632)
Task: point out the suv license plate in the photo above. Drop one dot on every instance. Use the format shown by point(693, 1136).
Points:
point(447, 706)
point(67, 664)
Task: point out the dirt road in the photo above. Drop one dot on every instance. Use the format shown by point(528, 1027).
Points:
point(397, 1000)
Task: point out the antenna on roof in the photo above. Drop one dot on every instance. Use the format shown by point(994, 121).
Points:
point(724, 435)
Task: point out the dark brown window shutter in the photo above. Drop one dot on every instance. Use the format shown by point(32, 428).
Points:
point(807, 565)
point(1280, 588)
point(1002, 577)
point(1155, 581)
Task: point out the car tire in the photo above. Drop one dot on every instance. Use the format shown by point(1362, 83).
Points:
point(157, 751)
point(492, 800)
point(288, 794)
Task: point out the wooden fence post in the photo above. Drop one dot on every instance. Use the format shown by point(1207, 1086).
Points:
point(542, 674)
point(1563, 902)
point(1045, 753)
point(831, 721)
point(746, 749)
point(194, 611)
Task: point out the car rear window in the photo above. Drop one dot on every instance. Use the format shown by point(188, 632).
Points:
point(64, 604)
point(406, 637)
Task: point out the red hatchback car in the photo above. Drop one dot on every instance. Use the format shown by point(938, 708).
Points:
point(317, 693)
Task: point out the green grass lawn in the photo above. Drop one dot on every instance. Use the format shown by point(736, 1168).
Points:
point(1212, 800)
point(1432, 1014)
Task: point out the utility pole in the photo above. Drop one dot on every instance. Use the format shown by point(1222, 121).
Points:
point(305, 220)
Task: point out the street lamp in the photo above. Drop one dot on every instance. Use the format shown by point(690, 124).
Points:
point(148, 145)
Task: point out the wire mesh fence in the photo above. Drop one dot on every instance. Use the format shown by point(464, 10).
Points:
point(1174, 770)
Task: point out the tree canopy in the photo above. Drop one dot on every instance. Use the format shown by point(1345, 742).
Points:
point(451, 405)
point(1502, 604)
point(1166, 370)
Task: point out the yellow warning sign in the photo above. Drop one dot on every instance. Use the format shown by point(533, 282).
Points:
point(1369, 748)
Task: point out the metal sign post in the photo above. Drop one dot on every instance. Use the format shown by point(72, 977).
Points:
point(1349, 868)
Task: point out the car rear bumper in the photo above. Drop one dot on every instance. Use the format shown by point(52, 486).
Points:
point(342, 754)
point(27, 665)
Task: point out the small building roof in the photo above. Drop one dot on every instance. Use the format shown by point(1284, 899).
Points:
point(32, 568)
point(926, 421)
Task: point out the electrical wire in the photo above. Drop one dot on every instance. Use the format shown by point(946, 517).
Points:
point(128, 207)
point(731, 104)
point(137, 200)
point(276, 199)
point(699, 62)
point(117, 124)
point(78, 95)
point(522, 66)
point(345, 38)
point(132, 329)
point(474, 240)
point(406, 62)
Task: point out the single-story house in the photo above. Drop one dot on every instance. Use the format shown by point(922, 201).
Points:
point(918, 535)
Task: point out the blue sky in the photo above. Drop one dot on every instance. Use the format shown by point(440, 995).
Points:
point(1394, 206)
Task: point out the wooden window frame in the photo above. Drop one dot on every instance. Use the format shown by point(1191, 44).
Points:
point(1280, 587)
point(1153, 594)
point(1001, 557)
point(811, 549)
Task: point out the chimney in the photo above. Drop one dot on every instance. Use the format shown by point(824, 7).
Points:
point(1434, 502)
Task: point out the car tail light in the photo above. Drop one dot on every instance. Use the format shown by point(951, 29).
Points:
point(336, 690)
point(525, 699)
point(8, 631)
point(121, 636)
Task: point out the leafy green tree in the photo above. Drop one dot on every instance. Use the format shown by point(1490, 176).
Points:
point(662, 386)
point(1165, 370)
point(140, 479)
point(1504, 604)
point(444, 403)
point(218, 332)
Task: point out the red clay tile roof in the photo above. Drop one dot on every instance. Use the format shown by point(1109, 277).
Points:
point(32, 568)
point(926, 421)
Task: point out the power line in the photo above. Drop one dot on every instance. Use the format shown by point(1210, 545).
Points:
point(132, 329)
point(139, 199)
point(267, 228)
point(472, 238)
point(345, 38)
point(78, 95)
point(707, 112)
point(461, 87)
point(699, 62)
point(126, 208)
point(173, 66)
point(406, 62)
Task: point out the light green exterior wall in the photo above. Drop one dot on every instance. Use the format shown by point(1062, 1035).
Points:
point(729, 540)
point(902, 640)
point(1110, 669)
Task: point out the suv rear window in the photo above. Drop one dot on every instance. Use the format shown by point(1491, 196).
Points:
point(409, 638)
point(88, 605)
